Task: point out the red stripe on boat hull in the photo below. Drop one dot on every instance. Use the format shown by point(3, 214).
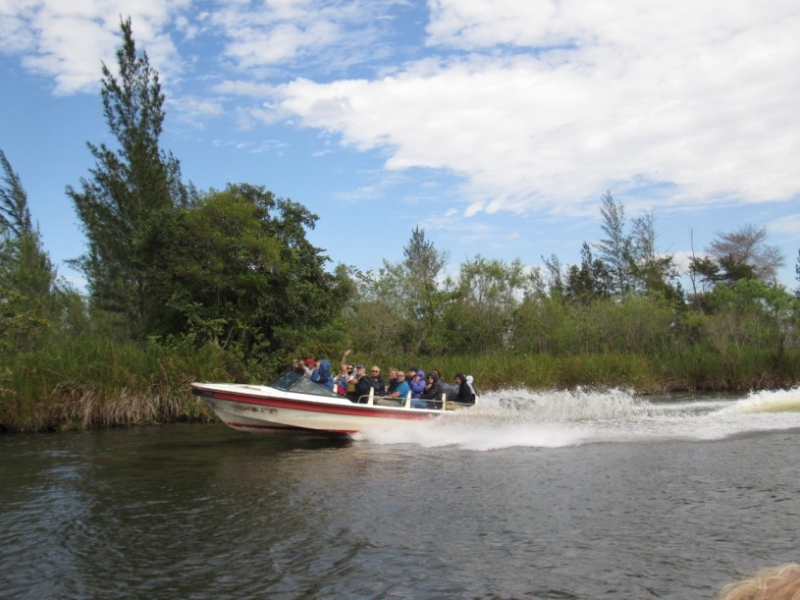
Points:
point(317, 407)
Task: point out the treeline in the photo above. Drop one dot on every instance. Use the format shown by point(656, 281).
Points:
point(620, 318)
point(222, 284)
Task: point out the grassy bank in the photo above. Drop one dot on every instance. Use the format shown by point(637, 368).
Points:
point(97, 383)
point(689, 371)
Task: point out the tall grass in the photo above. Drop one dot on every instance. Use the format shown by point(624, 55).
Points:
point(689, 370)
point(499, 371)
point(93, 381)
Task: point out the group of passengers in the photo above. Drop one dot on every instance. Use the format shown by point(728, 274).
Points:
point(354, 382)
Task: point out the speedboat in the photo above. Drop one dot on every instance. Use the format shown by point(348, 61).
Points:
point(296, 404)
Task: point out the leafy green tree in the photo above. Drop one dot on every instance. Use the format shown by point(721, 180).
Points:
point(488, 294)
point(416, 284)
point(589, 281)
point(652, 272)
point(425, 300)
point(403, 304)
point(742, 255)
point(131, 196)
point(747, 316)
point(243, 275)
point(704, 269)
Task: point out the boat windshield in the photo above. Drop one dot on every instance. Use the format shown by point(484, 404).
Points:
point(292, 381)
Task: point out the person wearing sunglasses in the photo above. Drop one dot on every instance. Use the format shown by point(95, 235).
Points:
point(367, 382)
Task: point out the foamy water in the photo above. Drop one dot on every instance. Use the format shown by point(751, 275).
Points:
point(553, 419)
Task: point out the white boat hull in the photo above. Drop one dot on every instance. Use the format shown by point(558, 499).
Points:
point(266, 409)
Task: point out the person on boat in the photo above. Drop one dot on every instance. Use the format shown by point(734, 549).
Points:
point(418, 390)
point(392, 380)
point(377, 380)
point(322, 374)
point(472, 387)
point(347, 369)
point(451, 391)
point(465, 393)
point(346, 380)
point(352, 384)
point(433, 391)
point(312, 368)
point(417, 384)
point(362, 385)
point(398, 396)
point(309, 365)
point(365, 383)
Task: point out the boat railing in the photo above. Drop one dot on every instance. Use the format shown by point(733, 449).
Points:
point(370, 400)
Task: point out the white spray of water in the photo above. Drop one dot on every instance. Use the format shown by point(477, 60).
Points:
point(552, 419)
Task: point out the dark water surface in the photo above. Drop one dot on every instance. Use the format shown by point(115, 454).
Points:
point(595, 495)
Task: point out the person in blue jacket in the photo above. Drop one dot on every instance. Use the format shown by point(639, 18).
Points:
point(322, 374)
point(417, 384)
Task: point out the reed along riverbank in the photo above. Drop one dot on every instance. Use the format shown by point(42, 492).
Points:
point(110, 384)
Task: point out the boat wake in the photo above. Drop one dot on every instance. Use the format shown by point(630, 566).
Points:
point(554, 419)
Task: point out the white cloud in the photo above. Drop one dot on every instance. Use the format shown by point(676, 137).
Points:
point(276, 32)
point(479, 23)
point(68, 40)
point(700, 97)
point(789, 226)
point(194, 110)
point(245, 88)
point(544, 104)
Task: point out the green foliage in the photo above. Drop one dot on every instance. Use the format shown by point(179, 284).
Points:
point(15, 216)
point(242, 274)
point(704, 269)
point(588, 282)
point(740, 254)
point(749, 315)
point(418, 286)
point(797, 274)
point(225, 286)
point(131, 195)
point(31, 299)
point(630, 260)
point(480, 317)
point(615, 248)
point(412, 291)
point(88, 380)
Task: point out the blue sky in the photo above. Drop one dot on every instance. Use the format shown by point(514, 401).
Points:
point(495, 125)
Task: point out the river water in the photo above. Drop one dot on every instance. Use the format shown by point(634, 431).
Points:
point(551, 495)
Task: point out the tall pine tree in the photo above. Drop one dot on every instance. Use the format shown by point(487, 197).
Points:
point(27, 276)
point(131, 196)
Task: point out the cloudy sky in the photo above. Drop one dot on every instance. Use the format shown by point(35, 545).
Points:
point(495, 125)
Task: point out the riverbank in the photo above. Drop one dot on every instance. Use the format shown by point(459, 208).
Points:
point(110, 385)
